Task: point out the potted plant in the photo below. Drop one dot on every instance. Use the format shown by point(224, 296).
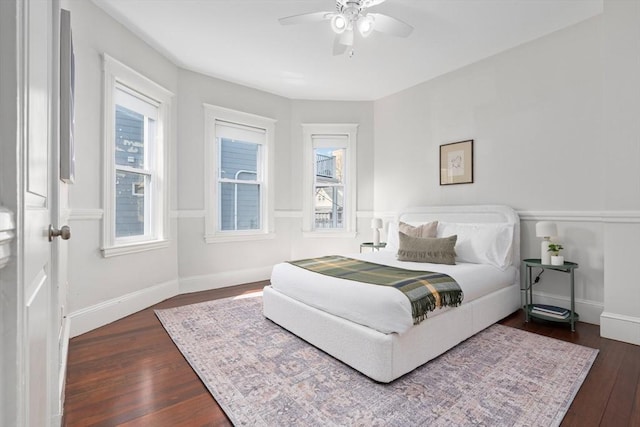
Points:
point(555, 249)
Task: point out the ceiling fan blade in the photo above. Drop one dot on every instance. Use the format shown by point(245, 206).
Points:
point(363, 3)
point(370, 3)
point(390, 25)
point(306, 18)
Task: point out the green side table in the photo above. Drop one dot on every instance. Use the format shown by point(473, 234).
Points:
point(567, 267)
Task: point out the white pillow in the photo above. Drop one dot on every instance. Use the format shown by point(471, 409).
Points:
point(428, 229)
point(481, 243)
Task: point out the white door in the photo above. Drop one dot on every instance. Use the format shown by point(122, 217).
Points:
point(39, 188)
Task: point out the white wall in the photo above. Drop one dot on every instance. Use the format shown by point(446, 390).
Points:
point(621, 317)
point(558, 111)
point(543, 114)
point(332, 112)
point(104, 289)
point(206, 266)
point(535, 115)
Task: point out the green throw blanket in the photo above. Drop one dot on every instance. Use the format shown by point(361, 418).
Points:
point(426, 290)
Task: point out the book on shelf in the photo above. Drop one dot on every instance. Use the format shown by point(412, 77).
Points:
point(550, 311)
point(555, 316)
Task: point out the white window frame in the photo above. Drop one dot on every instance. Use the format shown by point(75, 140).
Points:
point(215, 114)
point(349, 132)
point(118, 75)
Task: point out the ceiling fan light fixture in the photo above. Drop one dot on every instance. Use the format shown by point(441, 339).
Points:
point(365, 25)
point(338, 23)
point(348, 16)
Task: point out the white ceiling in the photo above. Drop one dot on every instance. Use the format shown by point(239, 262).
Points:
point(241, 40)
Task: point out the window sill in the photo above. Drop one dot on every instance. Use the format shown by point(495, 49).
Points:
point(330, 234)
point(223, 238)
point(132, 248)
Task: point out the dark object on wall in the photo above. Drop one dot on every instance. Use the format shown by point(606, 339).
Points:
point(456, 163)
point(67, 88)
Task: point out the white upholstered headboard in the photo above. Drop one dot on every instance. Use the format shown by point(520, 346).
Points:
point(469, 214)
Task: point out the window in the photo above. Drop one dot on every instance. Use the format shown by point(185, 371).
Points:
point(239, 200)
point(328, 183)
point(136, 127)
point(330, 179)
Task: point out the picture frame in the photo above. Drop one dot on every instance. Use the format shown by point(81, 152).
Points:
point(456, 163)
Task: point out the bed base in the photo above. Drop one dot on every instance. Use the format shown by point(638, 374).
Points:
point(385, 357)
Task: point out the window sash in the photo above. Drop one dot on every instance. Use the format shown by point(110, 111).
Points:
point(147, 225)
point(237, 189)
point(224, 122)
point(336, 218)
point(319, 136)
point(259, 161)
point(241, 134)
point(138, 104)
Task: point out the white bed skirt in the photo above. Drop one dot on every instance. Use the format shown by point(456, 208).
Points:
point(385, 357)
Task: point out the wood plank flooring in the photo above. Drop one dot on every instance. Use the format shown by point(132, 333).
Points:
point(129, 373)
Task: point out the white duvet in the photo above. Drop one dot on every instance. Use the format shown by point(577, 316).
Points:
point(380, 307)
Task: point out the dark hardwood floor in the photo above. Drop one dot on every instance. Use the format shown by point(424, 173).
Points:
point(130, 373)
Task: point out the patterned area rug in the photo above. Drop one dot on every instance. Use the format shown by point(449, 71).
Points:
point(260, 374)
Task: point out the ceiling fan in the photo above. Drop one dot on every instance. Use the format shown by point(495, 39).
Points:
point(349, 16)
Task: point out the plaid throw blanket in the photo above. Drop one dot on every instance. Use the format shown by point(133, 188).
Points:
point(426, 290)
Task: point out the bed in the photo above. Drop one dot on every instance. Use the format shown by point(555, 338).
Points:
point(384, 347)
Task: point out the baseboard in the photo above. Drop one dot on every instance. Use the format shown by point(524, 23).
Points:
point(93, 317)
point(589, 311)
point(223, 280)
point(620, 327)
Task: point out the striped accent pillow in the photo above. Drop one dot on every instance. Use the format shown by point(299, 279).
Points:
point(428, 249)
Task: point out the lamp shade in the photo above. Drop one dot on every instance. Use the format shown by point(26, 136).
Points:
point(546, 229)
point(376, 223)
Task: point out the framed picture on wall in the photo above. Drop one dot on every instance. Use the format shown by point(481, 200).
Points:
point(456, 163)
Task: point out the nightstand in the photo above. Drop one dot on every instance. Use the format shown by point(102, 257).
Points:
point(373, 246)
point(567, 267)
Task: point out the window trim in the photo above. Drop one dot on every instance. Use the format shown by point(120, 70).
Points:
point(309, 131)
point(213, 113)
point(117, 74)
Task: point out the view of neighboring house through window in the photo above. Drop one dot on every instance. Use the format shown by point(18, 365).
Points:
point(239, 184)
point(238, 147)
point(136, 117)
point(135, 132)
point(329, 197)
point(329, 187)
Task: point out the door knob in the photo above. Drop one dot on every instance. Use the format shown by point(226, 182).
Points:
point(64, 232)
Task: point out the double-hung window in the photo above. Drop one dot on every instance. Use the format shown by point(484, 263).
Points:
point(136, 121)
point(237, 163)
point(329, 161)
point(330, 179)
